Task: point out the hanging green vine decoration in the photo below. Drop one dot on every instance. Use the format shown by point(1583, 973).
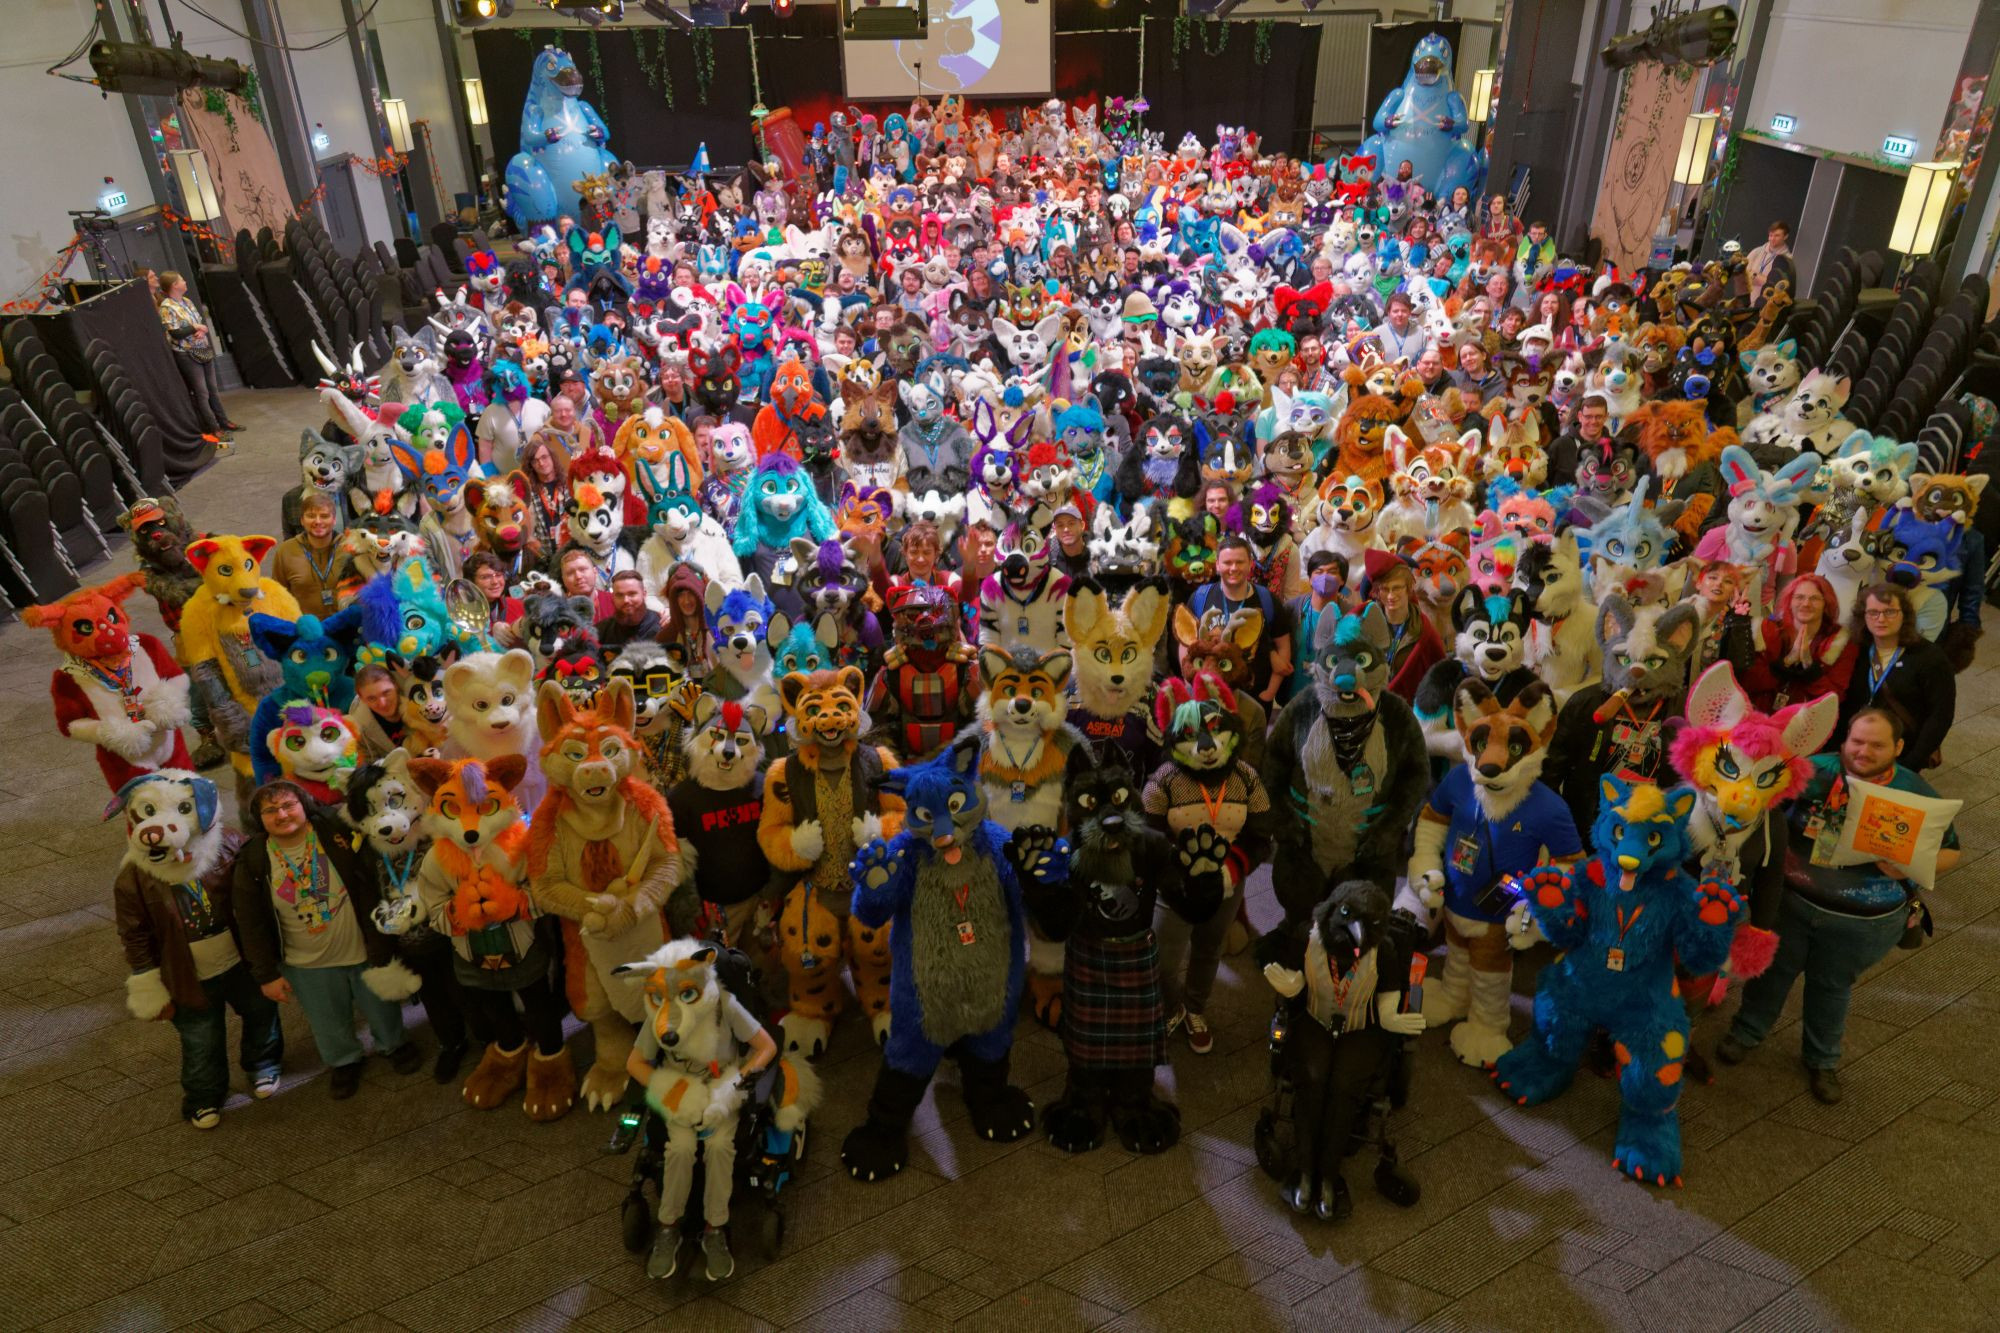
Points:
point(1261, 48)
point(253, 96)
point(1183, 34)
point(597, 67)
point(216, 102)
point(1215, 28)
point(704, 62)
point(655, 65)
point(527, 35)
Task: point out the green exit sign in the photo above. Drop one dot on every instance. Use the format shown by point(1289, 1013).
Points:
point(1898, 146)
point(1783, 124)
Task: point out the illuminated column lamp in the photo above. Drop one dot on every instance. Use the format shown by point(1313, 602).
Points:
point(1697, 146)
point(475, 101)
point(397, 113)
point(1479, 104)
point(197, 187)
point(1926, 196)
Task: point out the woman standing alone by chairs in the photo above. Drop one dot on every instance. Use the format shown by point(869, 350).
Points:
point(194, 353)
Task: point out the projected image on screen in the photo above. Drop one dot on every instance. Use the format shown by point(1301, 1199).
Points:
point(982, 48)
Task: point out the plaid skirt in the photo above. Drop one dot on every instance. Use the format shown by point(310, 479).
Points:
point(1113, 1017)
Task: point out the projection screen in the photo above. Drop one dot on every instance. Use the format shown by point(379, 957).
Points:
point(982, 48)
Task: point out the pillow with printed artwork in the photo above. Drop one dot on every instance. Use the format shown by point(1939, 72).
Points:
point(1899, 827)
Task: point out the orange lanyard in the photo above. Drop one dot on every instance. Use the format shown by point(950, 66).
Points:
point(1624, 925)
point(1213, 804)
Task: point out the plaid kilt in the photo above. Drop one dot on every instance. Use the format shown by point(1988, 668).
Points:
point(1113, 1017)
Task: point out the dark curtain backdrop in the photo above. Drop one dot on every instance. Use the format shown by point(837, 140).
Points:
point(1230, 87)
point(1390, 46)
point(644, 129)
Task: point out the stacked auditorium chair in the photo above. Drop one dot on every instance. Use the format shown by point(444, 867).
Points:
point(1819, 321)
point(123, 416)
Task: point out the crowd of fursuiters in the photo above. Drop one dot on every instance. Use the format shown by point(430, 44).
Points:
point(946, 582)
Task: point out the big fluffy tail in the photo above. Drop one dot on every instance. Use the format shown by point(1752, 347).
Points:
point(796, 1095)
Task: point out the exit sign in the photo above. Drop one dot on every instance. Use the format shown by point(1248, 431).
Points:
point(1783, 124)
point(1898, 146)
point(113, 200)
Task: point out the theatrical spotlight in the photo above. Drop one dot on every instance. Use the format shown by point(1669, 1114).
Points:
point(473, 13)
point(1211, 9)
point(666, 13)
point(1673, 38)
point(783, 8)
point(161, 71)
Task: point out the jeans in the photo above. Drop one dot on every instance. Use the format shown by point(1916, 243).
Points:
point(1833, 951)
point(329, 996)
point(204, 1037)
point(1189, 955)
point(204, 386)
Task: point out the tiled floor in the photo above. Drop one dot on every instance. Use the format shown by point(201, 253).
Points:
point(401, 1208)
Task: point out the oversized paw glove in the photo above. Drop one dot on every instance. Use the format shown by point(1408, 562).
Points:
point(1039, 854)
point(1717, 902)
point(1389, 1012)
point(613, 914)
point(1430, 888)
point(876, 864)
point(865, 828)
point(1284, 980)
point(1203, 850)
point(1522, 931)
point(808, 841)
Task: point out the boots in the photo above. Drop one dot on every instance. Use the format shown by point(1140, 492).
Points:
point(499, 1073)
point(209, 754)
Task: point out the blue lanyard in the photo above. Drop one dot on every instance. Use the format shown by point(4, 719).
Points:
point(1875, 678)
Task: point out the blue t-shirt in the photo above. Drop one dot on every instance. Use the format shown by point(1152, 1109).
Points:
point(1818, 814)
point(1477, 854)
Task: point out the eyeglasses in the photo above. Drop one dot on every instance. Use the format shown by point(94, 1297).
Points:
point(1883, 613)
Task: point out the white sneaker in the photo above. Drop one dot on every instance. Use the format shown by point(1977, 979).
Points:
point(264, 1084)
point(1199, 1040)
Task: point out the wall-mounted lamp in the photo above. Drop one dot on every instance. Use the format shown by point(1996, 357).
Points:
point(1697, 146)
point(475, 101)
point(397, 113)
point(197, 186)
point(1926, 197)
point(1479, 103)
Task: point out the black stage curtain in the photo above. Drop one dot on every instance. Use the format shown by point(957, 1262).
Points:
point(644, 129)
point(125, 319)
point(1230, 87)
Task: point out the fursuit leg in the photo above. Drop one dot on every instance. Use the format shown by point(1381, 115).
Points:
point(868, 962)
point(1482, 1037)
point(809, 944)
point(1649, 1081)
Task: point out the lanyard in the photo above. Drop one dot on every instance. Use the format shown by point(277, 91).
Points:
point(1213, 803)
point(1625, 924)
point(399, 875)
point(1875, 677)
point(322, 572)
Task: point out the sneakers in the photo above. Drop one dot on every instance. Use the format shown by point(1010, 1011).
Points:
point(1731, 1051)
point(264, 1084)
point(346, 1081)
point(715, 1249)
point(1199, 1039)
point(406, 1059)
point(208, 1117)
point(666, 1255)
point(1825, 1085)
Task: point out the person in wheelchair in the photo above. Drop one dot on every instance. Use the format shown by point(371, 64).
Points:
point(699, 1053)
point(1338, 1048)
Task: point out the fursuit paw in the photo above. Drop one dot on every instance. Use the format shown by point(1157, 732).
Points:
point(551, 1085)
point(808, 841)
point(1528, 1075)
point(805, 1036)
point(1151, 1128)
point(1202, 850)
point(496, 1077)
point(1039, 853)
point(1649, 1148)
point(874, 1151)
point(879, 1025)
point(1523, 932)
point(1477, 1045)
point(1072, 1126)
point(1430, 889)
point(1007, 1117)
point(1717, 902)
point(1394, 1182)
point(604, 1086)
point(876, 864)
point(865, 829)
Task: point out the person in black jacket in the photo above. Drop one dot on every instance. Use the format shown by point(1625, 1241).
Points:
point(305, 914)
point(1899, 668)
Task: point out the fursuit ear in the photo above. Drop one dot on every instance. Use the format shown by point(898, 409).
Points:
point(1536, 706)
point(1186, 628)
point(615, 703)
point(1145, 608)
point(1472, 701)
point(1676, 627)
point(509, 770)
point(1718, 701)
point(851, 680)
point(1615, 611)
point(993, 664)
point(1057, 667)
point(553, 711)
point(706, 706)
point(964, 761)
point(758, 716)
point(1245, 628)
point(1087, 610)
point(1680, 802)
point(430, 774)
point(1804, 728)
point(790, 689)
point(1172, 693)
point(1468, 605)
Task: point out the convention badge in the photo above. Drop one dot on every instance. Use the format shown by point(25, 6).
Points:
point(1363, 780)
point(1023, 625)
point(1614, 960)
point(1815, 822)
point(1465, 854)
point(1621, 735)
point(1017, 791)
point(965, 935)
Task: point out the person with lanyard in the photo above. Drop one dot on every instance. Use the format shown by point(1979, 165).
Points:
point(305, 910)
point(1326, 582)
point(308, 566)
point(377, 714)
point(546, 462)
point(185, 933)
point(489, 575)
point(1801, 652)
point(1399, 337)
point(1899, 668)
point(1236, 589)
point(1585, 438)
point(1388, 580)
point(194, 353)
point(630, 619)
point(1836, 921)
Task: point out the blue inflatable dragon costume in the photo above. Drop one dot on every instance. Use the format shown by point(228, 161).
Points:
point(562, 141)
